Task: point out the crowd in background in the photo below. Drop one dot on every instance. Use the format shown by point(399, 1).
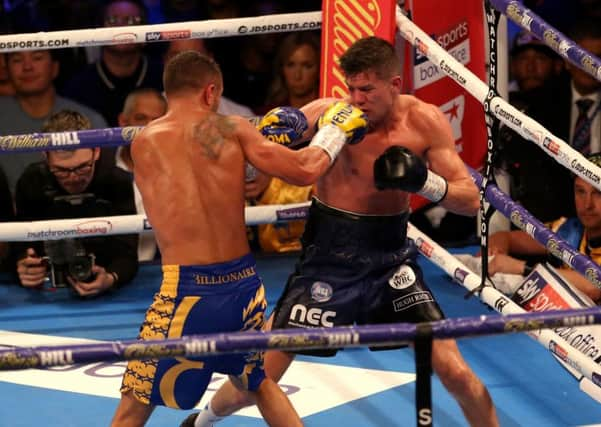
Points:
point(121, 85)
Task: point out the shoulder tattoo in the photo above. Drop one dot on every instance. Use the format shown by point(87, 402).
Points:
point(212, 132)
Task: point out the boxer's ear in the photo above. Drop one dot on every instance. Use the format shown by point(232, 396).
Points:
point(211, 95)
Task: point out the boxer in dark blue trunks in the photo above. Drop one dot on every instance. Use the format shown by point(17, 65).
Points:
point(354, 269)
point(409, 148)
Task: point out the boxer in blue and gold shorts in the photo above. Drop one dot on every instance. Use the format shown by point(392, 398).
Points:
point(189, 166)
point(224, 297)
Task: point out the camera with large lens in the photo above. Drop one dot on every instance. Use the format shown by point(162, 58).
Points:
point(68, 257)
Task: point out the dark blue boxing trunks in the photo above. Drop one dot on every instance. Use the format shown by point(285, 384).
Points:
point(354, 269)
point(224, 297)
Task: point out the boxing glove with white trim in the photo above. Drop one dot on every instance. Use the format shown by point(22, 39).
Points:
point(399, 168)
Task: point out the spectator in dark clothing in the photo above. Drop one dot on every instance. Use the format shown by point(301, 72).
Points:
point(68, 185)
point(105, 84)
point(539, 182)
point(532, 63)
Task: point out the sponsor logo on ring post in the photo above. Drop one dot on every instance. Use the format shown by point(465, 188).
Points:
point(349, 25)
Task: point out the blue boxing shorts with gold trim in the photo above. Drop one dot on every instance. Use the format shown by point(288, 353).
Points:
point(223, 297)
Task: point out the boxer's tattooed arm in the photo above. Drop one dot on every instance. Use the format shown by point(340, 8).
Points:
point(212, 133)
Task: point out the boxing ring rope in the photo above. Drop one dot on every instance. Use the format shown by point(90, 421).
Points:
point(555, 147)
point(549, 35)
point(255, 215)
point(590, 372)
point(56, 229)
point(105, 36)
point(523, 219)
point(353, 336)
point(505, 112)
point(49, 141)
point(291, 339)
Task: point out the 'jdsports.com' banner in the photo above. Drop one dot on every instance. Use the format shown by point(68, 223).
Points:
point(344, 22)
point(459, 30)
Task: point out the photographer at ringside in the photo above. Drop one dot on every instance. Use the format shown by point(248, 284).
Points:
point(68, 184)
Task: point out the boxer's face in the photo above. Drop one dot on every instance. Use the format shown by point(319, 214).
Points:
point(587, 200)
point(375, 96)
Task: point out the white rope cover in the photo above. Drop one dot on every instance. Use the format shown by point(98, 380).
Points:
point(105, 36)
point(129, 224)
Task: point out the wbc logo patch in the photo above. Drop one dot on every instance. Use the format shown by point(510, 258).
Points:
point(402, 278)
